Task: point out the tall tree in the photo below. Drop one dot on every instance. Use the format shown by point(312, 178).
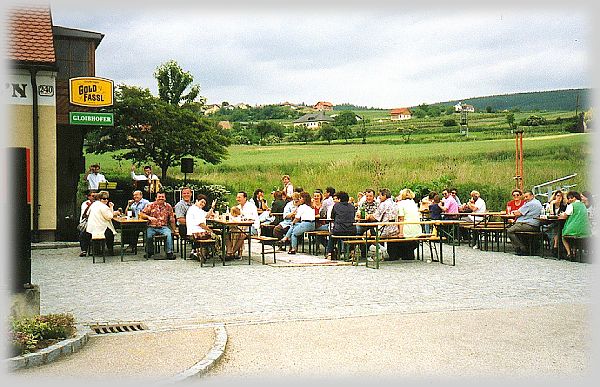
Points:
point(173, 81)
point(148, 129)
point(344, 121)
point(328, 132)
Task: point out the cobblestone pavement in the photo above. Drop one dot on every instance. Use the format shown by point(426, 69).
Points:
point(175, 293)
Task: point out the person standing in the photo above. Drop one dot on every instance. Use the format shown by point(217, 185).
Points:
point(288, 187)
point(94, 177)
point(527, 220)
point(160, 216)
point(84, 240)
point(145, 180)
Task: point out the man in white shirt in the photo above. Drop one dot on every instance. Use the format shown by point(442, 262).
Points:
point(476, 204)
point(94, 177)
point(146, 178)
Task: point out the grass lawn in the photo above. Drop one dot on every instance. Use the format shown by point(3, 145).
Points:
point(353, 167)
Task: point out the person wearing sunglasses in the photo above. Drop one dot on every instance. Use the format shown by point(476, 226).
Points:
point(516, 202)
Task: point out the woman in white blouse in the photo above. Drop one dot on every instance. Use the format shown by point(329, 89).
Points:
point(99, 223)
point(304, 221)
point(408, 211)
point(195, 219)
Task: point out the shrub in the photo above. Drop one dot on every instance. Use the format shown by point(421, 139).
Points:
point(449, 122)
point(29, 334)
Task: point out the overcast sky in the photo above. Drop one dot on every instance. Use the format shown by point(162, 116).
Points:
point(380, 56)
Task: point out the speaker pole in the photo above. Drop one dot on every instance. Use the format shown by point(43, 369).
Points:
point(185, 179)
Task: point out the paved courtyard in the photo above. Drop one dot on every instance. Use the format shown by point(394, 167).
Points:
point(493, 314)
point(170, 293)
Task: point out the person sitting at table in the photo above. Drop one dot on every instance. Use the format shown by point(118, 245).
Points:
point(453, 193)
point(135, 205)
point(181, 209)
point(527, 220)
point(196, 228)
point(289, 212)
point(99, 225)
point(586, 198)
point(449, 205)
point(386, 212)
point(408, 211)
point(577, 222)
point(343, 215)
point(435, 211)
point(264, 212)
point(516, 202)
point(94, 177)
point(84, 237)
point(235, 238)
point(368, 207)
point(277, 207)
point(160, 215)
point(316, 203)
point(555, 206)
point(475, 205)
point(303, 221)
point(236, 214)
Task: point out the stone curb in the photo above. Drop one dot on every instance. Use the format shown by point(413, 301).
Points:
point(53, 245)
point(48, 354)
point(209, 361)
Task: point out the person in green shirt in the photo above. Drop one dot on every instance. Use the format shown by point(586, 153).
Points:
point(577, 223)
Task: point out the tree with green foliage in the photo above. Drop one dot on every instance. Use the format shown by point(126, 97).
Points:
point(344, 121)
point(328, 132)
point(510, 118)
point(362, 131)
point(303, 134)
point(265, 128)
point(406, 133)
point(173, 81)
point(149, 129)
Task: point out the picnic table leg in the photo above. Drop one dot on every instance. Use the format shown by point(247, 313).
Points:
point(249, 245)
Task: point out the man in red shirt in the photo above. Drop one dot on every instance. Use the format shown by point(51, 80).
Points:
point(160, 214)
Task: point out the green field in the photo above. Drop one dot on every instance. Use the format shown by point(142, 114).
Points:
point(487, 166)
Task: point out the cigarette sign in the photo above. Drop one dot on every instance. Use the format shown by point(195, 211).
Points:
point(91, 91)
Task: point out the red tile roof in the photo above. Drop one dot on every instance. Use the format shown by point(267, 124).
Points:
point(400, 111)
point(30, 35)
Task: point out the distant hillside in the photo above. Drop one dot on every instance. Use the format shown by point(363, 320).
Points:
point(540, 100)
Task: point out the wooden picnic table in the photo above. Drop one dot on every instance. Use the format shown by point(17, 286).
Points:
point(226, 224)
point(129, 226)
point(451, 234)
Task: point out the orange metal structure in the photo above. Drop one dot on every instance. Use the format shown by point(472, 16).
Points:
point(519, 159)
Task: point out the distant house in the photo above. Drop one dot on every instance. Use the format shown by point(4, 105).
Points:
point(242, 106)
point(211, 109)
point(224, 125)
point(400, 114)
point(288, 104)
point(459, 107)
point(323, 106)
point(312, 120)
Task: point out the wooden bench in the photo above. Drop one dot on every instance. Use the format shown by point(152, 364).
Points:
point(356, 240)
point(313, 240)
point(269, 241)
point(531, 237)
point(211, 245)
point(579, 245)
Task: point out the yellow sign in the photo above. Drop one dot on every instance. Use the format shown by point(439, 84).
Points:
point(91, 91)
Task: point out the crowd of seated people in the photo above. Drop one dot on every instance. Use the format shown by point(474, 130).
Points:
point(336, 213)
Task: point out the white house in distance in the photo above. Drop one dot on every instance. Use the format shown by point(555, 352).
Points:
point(312, 120)
point(459, 107)
point(210, 109)
point(400, 114)
point(323, 106)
